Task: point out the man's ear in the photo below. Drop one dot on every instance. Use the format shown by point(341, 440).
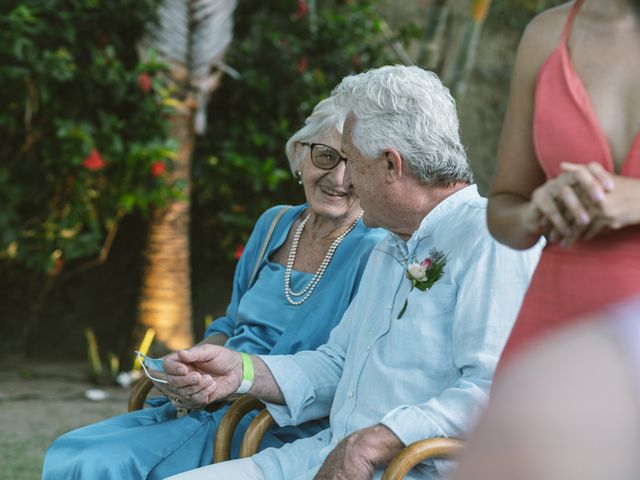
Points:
point(394, 165)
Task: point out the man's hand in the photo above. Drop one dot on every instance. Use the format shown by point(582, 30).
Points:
point(204, 373)
point(357, 456)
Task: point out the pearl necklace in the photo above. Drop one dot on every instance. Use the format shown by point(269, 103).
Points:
point(308, 290)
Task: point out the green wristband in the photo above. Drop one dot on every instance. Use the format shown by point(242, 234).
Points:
point(247, 374)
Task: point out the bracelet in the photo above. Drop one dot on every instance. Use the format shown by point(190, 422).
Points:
point(247, 374)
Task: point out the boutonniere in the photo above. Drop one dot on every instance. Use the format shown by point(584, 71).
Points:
point(424, 274)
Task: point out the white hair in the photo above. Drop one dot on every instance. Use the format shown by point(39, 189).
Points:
point(410, 110)
point(325, 116)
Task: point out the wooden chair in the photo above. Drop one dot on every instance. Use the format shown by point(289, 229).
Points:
point(396, 470)
point(139, 393)
point(241, 405)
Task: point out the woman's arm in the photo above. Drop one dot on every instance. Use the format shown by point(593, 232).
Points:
point(511, 219)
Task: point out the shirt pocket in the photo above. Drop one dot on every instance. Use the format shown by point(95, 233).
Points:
point(438, 300)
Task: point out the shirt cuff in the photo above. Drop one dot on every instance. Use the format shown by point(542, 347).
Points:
point(295, 386)
point(411, 424)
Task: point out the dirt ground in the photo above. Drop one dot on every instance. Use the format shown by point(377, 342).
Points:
point(40, 401)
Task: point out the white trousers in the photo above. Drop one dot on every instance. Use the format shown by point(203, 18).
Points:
point(241, 469)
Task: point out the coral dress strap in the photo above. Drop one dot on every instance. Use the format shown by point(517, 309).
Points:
point(566, 31)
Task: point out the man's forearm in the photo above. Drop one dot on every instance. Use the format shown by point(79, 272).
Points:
point(264, 384)
point(378, 444)
point(359, 454)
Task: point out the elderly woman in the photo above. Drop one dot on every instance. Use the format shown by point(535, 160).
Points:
point(309, 272)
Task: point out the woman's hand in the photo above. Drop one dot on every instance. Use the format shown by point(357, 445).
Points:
point(204, 373)
point(619, 208)
point(565, 208)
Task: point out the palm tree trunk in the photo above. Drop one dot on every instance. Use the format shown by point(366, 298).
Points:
point(165, 301)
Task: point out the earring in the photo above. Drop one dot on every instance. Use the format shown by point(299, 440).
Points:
point(299, 177)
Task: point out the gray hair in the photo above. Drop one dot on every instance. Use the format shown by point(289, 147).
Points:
point(410, 110)
point(325, 115)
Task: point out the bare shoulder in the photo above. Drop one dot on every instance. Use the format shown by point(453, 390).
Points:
point(542, 34)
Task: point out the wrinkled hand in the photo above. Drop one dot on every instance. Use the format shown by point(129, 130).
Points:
point(171, 392)
point(204, 373)
point(356, 456)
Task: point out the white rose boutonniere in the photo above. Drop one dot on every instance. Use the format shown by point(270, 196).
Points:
point(424, 274)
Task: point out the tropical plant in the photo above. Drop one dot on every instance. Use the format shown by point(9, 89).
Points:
point(83, 125)
point(84, 128)
point(289, 55)
point(191, 37)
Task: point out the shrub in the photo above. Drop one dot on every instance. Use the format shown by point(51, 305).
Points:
point(83, 124)
point(289, 55)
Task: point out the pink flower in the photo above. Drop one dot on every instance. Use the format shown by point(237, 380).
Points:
point(303, 9)
point(238, 252)
point(144, 82)
point(157, 168)
point(426, 263)
point(93, 161)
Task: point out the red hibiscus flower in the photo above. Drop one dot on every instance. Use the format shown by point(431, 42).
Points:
point(93, 161)
point(303, 9)
point(144, 82)
point(238, 252)
point(157, 168)
point(303, 64)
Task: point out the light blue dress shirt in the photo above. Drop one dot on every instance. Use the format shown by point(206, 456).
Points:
point(424, 375)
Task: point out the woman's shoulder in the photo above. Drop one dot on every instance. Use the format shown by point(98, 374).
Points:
point(287, 212)
point(544, 31)
point(540, 39)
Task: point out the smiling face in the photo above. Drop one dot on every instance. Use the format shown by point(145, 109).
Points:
point(326, 191)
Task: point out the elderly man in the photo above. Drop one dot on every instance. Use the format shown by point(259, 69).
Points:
point(415, 353)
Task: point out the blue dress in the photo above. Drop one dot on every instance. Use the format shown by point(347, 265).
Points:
point(152, 443)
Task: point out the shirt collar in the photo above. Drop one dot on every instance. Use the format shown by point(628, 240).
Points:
point(433, 219)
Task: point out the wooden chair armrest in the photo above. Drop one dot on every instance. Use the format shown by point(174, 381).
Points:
point(228, 424)
point(138, 393)
point(419, 452)
point(253, 436)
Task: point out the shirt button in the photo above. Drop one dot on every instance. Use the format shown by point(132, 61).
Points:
point(368, 348)
point(350, 395)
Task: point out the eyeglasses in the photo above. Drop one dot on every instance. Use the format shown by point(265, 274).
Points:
point(323, 156)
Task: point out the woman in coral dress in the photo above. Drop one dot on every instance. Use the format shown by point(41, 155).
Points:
point(569, 162)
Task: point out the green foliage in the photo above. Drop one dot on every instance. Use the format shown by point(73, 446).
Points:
point(289, 56)
point(84, 126)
